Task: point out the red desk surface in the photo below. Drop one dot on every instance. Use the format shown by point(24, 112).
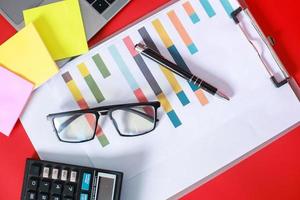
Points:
point(272, 173)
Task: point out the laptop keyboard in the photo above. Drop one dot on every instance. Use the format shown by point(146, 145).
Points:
point(100, 5)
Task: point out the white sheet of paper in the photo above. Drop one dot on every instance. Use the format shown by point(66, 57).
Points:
point(168, 160)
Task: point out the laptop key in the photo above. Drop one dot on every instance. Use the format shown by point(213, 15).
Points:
point(110, 1)
point(90, 1)
point(100, 5)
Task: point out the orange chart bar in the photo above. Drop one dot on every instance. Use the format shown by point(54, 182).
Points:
point(182, 32)
point(191, 12)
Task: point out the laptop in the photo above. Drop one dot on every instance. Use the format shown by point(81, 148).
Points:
point(95, 13)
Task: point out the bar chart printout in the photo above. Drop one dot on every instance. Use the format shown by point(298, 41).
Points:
point(137, 90)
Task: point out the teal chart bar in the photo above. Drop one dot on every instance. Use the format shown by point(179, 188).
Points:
point(208, 8)
point(227, 6)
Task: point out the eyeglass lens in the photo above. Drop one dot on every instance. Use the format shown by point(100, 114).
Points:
point(135, 120)
point(75, 128)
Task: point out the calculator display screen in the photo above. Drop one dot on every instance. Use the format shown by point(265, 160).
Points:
point(106, 186)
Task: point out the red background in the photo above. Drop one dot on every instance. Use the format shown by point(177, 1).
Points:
point(272, 173)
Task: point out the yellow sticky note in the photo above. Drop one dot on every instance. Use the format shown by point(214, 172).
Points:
point(61, 27)
point(26, 55)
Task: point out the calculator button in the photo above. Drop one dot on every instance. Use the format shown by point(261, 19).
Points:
point(64, 175)
point(34, 170)
point(86, 179)
point(54, 197)
point(73, 176)
point(44, 186)
point(31, 196)
point(84, 196)
point(69, 190)
point(56, 188)
point(45, 172)
point(32, 184)
point(54, 173)
point(42, 196)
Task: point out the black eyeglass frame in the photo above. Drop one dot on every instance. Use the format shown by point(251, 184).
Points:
point(105, 110)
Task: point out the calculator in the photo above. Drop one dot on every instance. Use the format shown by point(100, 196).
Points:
point(45, 180)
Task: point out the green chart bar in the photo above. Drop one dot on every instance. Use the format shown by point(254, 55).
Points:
point(101, 65)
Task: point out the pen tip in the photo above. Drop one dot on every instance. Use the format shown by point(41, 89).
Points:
point(222, 95)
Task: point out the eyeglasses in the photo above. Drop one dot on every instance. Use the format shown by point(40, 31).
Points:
point(130, 120)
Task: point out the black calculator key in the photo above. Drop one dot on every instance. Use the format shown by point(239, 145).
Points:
point(35, 170)
point(56, 188)
point(32, 184)
point(100, 5)
point(110, 1)
point(44, 186)
point(31, 196)
point(54, 197)
point(42, 196)
point(69, 190)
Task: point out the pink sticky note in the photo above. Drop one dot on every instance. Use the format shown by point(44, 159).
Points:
point(14, 94)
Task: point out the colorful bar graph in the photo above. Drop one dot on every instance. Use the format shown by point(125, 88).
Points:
point(152, 82)
point(127, 74)
point(169, 75)
point(177, 57)
point(73, 88)
point(191, 12)
point(101, 65)
point(208, 8)
point(91, 82)
point(227, 6)
point(182, 32)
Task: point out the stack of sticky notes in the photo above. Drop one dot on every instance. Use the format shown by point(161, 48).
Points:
point(26, 55)
point(14, 93)
point(61, 27)
point(52, 32)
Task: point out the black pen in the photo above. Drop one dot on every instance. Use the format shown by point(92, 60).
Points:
point(156, 57)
